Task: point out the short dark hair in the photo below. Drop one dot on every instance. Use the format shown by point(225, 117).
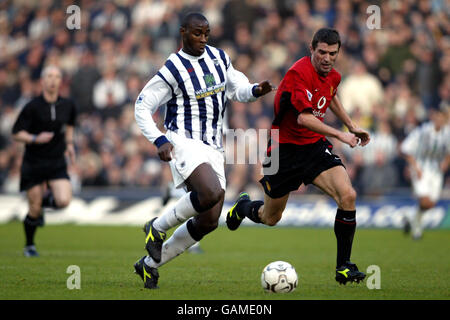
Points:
point(327, 35)
point(188, 18)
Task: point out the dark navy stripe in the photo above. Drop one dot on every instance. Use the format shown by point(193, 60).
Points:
point(159, 74)
point(201, 102)
point(224, 59)
point(187, 106)
point(222, 77)
point(171, 114)
point(206, 70)
point(170, 120)
point(218, 68)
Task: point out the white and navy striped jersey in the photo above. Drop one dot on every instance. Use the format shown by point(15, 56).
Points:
point(195, 91)
point(428, 146)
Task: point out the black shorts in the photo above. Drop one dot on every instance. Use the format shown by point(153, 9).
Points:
point(37, 172)
point(298, 164)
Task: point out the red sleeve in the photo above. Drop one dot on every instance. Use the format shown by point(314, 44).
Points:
point(337, 81)
point(301, 91)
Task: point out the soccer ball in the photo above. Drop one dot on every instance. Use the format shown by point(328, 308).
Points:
point(279, 276)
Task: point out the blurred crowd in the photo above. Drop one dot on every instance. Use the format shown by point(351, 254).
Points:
point(391, 76)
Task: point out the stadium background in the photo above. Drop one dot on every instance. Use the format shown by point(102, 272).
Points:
point(391, 78)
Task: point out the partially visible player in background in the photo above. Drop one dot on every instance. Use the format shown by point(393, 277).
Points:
point(427, 151)
point(46, 126)
point(194, 84)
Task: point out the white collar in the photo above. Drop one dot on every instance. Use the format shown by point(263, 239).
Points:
point(189, 57)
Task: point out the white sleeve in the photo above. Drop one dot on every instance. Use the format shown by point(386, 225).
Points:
point(447, 132)
point(411, 143)
point(238, 87)
point(155, 94)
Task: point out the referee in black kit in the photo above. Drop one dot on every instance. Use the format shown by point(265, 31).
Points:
point(46, 126)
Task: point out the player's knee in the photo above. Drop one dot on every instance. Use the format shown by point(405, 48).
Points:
point(35, 207)
point(62, 202)
point(211, 197)
point(271, 220)
point(348, 199)
point(211, 226)
point(205, 226)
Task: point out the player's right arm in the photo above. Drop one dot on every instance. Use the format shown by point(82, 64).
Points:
point(409, 148)
point(299, 86)
point(413, 165)
point(28, 138)
point(339, 111)
point(21, 129)
point(445, 164)
point(155, 93)
point(308, 120)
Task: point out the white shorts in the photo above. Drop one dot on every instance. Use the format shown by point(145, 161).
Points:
point(429, 185)
point(188, 154)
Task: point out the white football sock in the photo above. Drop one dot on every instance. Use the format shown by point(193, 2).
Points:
point(179, 242)
point(417, 223)
point(176, 214)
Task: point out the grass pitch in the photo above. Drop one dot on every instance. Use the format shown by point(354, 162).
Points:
point(230, 268)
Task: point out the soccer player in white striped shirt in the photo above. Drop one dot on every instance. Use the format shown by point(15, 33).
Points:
point(427, 151)
point(194, 84)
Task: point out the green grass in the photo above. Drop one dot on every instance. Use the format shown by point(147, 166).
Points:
point(230, 268)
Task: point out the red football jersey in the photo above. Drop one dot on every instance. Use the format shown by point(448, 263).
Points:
point(302, 88)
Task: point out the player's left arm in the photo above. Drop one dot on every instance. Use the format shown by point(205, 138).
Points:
point(338, 109)
point(239, 88)
point(445, 164)
point(263, 88)
point(70, 148)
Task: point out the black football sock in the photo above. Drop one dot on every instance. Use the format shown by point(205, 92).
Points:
point(250, 210)
point(196, 235)
point(30, 224)
point(344, 229)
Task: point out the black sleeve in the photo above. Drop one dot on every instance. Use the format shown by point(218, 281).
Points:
point(24, 119)
point(73, 114)
point(285, 106)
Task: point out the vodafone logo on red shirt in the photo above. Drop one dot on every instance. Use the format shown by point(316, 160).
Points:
point(321, 103)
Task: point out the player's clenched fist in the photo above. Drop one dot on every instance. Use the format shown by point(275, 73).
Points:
point(164, 151)
point(349, 138)
point(44, 137)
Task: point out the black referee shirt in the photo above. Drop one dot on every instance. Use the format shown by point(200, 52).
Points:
point(37, 116)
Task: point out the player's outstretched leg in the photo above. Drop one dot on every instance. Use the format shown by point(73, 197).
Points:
point(349, 272)
point(243, 207)
point(153, 240)
point(234, 217)
point(148, 274)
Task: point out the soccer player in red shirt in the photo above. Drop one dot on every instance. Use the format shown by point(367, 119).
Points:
point(304, 95)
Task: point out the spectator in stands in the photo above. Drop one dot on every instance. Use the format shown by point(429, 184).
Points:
point(134, 39)
point(360, 90)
